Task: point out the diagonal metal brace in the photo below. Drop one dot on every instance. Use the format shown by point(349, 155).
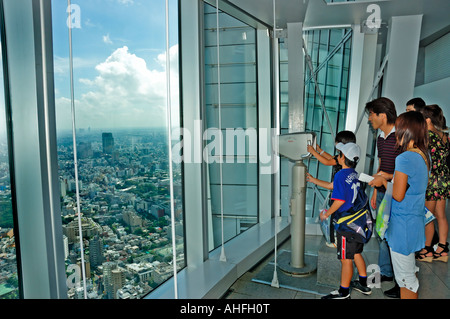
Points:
point(314, 77)
point(376, 82)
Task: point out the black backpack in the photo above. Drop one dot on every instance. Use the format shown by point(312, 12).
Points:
point(357, 223)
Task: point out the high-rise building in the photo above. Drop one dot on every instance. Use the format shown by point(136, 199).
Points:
point(108, 267)
point(108, 143)
point(96, 251)
point(84, 150)
point(113, 278)
point(117, 281)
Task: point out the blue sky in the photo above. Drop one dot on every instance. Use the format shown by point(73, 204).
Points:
point(118, 60)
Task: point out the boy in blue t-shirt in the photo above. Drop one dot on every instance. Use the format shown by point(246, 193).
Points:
point(345, 190)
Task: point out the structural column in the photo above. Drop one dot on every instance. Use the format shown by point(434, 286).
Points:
point(298, 264)
point(296, 77)
point(194, 206)
point(29, 62)
point(296, 84)
point(403, 49)
point(362, 79)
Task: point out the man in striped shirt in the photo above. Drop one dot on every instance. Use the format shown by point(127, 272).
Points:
point(382, 116)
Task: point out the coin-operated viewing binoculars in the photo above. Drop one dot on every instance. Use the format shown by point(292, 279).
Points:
point(294, 146)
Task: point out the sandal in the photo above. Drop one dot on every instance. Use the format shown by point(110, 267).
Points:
point(423, 256)
point(438, 256)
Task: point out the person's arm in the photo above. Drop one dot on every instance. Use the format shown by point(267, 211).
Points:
point(324, 157)
point(333, 208)
point(323, 153)
point(326, 161)
point(386, 175)
point(318, 182)
point(378, 181)
point(400, 186)
point(373, 199)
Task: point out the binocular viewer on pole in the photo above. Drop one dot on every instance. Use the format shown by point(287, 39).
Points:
point(294, 146)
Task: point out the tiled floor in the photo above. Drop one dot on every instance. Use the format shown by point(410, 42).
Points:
point(434, 278)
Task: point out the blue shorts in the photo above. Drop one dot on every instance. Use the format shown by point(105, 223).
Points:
point(346, 248)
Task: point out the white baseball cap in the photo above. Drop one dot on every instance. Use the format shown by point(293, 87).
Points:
point(350, 150)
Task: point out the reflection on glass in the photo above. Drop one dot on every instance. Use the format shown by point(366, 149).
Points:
point(122, 146)
point(238, 189)
point(9, 282)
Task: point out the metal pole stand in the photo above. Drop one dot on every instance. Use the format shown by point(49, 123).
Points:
point(299, 264)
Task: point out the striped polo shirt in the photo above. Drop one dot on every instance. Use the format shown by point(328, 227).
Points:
point(387, 152)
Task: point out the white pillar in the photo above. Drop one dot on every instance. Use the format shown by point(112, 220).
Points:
point(362, 77)
point(296, 77)
point(296, 84)
point(31, 91)
point(195, 230)
point(297, 124)
point(403, 49)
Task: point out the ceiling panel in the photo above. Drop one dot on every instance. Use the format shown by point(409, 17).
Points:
point(315, 13)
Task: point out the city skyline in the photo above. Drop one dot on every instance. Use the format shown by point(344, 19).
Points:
point(119, 86)
point(124, 204)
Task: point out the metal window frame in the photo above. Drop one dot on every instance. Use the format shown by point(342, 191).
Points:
point(10, 148)
point(28, 26)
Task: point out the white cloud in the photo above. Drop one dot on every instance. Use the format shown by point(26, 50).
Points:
point(107, 39)
point(61, 65)
point(126, 2)
point(125, 93)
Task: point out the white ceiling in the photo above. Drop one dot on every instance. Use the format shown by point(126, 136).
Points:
point(313, 13)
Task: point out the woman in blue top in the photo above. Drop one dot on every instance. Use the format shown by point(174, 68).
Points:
point(406, 230)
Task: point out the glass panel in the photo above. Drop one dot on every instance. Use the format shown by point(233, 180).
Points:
point(333, 80)
point(9, 281)
point(335, 37)
point(119, 65)
point(232, 93)
point(229, 73)
point(238, 200)
point(238, 110)
point(323, 46)
point(235, 173)
point(233, 115)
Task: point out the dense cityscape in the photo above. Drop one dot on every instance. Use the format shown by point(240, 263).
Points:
point(125, 214)
point(8, 265)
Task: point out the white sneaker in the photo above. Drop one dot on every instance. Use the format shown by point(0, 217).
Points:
point(336, 295)
point(332, 245)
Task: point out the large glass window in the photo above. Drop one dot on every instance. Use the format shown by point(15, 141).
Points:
point(9, 281)
point(120, 103)
point(233, 184)
point(329, 50)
